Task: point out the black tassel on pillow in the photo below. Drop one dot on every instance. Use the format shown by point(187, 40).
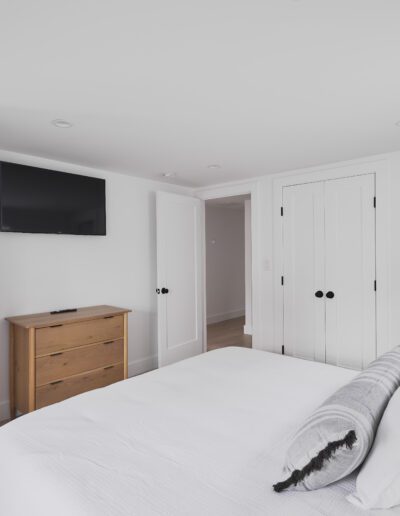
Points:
point(316, 463)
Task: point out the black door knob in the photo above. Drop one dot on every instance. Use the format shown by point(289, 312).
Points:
point(330, 295)
point(164, 290)
point(319, 293)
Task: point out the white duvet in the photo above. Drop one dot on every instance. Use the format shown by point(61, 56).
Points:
point(202, 437)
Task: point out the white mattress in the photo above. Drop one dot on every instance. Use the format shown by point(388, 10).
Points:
point(202, 437)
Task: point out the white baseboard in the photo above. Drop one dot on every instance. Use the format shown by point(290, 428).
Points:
point(225, 316)
point(247, 329)
point(142, 365)
point(4, 410)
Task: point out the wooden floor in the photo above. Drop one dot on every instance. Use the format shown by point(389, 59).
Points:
point(227, 333)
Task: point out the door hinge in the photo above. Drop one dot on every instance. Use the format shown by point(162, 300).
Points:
point(283, 350)
point(282, 280)
point(375, 285)
point(281, 211)
point(374, 202)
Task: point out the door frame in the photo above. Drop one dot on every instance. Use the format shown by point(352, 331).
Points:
point(382, 191)
point(230, 190)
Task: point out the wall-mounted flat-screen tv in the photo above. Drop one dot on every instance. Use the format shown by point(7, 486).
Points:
point(36, 200)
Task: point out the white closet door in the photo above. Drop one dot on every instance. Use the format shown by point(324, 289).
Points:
point(303, 242)
point(350, 271)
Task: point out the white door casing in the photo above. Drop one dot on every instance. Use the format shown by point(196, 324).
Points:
point(180, 222)
point(248, 327)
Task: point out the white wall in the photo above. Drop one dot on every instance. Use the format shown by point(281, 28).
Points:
point(225, 264)
point(46, 272)
point(394, 256)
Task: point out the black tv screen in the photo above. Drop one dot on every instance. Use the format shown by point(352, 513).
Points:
point(36, 200)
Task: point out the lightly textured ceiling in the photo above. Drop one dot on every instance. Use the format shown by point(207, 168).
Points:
point(156, 86)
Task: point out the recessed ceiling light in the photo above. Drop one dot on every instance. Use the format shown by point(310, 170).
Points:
point(61, 124)
point(214, 165)
point(169, 174)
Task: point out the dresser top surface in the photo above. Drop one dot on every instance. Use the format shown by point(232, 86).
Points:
point(82, 314)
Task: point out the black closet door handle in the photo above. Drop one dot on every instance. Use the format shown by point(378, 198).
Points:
point(164, 290)
point(319, 293)
point(330, 295)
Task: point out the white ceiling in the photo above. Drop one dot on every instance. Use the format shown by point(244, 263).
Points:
point(154, 86)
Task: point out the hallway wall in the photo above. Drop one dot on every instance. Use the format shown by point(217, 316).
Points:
point(225, 262)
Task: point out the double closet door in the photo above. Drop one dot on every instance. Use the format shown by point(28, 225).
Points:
point(329, 277)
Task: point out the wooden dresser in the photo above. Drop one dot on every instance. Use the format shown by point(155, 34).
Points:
point(54, 357)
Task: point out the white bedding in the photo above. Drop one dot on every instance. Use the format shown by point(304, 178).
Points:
point(202, 437)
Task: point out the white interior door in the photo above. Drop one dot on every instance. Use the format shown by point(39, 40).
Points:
point(350, 271)
point(180, 222)
point(304, 261)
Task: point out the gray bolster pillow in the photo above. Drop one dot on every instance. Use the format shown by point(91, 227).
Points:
point(337, 437)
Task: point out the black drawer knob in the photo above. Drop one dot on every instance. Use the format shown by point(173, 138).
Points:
point(330, 295)
point(319, 293)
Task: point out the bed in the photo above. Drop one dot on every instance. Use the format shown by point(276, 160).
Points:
point(205, 436)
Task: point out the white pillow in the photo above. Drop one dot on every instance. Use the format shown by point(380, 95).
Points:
point(378, 483)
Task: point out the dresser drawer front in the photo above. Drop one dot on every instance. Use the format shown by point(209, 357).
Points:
point(63, 364)
point(59, 338)
point(58, 391)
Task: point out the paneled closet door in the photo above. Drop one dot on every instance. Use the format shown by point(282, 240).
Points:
point(304, 263)
point(350, 271)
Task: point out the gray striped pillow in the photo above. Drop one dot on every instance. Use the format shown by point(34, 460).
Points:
point(337, 437)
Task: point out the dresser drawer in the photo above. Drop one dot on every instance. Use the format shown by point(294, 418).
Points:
point(61, 337)
point(67, 363)
point(63, 389)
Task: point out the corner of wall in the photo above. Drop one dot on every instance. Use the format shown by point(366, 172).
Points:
point(142, 365)
point(4, 410)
